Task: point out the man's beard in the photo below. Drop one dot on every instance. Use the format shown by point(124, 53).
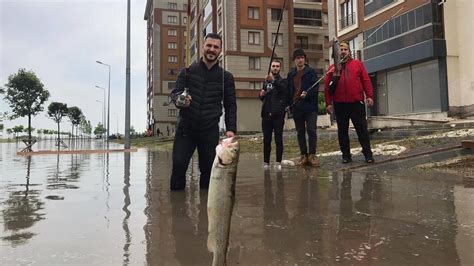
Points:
point(344, 58)
point(276, 73)
point(209, 59)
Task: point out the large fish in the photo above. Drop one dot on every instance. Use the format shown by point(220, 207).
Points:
point(221, 198)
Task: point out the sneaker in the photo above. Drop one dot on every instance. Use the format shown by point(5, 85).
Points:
point(303, 160)
point(266, 166)
point(278, 166)
point(346, 160)
point(369, 159)
point(313, 161)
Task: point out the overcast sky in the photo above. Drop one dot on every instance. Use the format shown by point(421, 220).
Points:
point(61, 40)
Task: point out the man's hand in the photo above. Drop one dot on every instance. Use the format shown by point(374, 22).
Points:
point(262, 93)
point(229, 134)
point(329, 109)
point(303, 94)
point(187, 101)
point(270, 77)
point(370, 102)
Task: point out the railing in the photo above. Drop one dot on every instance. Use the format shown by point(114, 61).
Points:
point(347, 21)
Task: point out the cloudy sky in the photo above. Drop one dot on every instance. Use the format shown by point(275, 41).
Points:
point(61, 40)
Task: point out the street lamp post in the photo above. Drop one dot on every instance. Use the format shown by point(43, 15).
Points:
point(103, 106)
point(108, 104)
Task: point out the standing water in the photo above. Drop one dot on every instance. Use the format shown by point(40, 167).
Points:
point(109, 209)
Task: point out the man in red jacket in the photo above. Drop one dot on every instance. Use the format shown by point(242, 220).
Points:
point(345, 95)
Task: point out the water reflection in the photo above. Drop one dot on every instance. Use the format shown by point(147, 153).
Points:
point(22, 210)
point(126, 203)
point(176, 230)
point(275, 217)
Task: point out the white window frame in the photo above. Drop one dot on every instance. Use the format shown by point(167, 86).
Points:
point(254, 37)
point(279, 39)
point(254, 63)
point(253, 12)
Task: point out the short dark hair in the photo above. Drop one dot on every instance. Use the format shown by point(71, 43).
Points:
point(213, 36)
point(276, 60)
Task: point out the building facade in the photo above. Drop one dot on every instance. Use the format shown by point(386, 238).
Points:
point(458, 25)
point(406, 49)
point(249, 30)
point(166, 55)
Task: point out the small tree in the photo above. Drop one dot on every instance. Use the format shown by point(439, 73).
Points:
point(9, 132)
point(74, 114)
point(99, 130)
point(17, 129)
point(26, 95)
point(57, 111)
point(86, 126)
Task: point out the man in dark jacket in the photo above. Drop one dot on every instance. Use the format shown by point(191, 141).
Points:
point(305, 110)
point(206, 84)
point(348, 95)
point(274, 96)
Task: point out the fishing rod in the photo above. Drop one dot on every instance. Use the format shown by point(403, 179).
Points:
point(334, 67)
point(270, 85)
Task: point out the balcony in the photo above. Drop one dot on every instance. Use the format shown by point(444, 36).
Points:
point(315, 47)
point(347, 21)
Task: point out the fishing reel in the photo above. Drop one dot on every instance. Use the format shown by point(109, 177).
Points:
point(181, 100)
point(269, 87)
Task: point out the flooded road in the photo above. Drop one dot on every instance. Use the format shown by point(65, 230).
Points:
point(109, 209)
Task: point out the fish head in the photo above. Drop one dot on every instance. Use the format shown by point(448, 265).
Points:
point(228, 151)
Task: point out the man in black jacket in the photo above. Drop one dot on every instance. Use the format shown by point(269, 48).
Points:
point(207, 85)
point(274, 95)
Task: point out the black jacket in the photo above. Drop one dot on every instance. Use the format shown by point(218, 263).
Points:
point(208, 88)
point(275, 101)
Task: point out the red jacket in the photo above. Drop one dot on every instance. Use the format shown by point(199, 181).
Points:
point(352, 85)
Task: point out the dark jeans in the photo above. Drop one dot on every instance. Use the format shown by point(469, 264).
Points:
point(272, 124)
point(183, 148)
point(356, 113)
point(305, 122)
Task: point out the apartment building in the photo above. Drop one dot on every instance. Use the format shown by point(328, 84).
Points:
point(166, 55)
point(249, 30)
point(458, 25)
point(403, 45)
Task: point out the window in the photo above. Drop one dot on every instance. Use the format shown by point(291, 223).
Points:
point(185, 7)
point(172, 45)
point(253, 12)
point(172, 19)
point(255, 85)
point(276, 13)
point(308, 17)
point(185, 20)
point(172, 112)
point(172, 6)
point(254, 63)
point(302, 42)
point(172, 72)
point(347, 14)
point(171, 85)
point(279, 39)
point(172, 32)
point(254, 37)
point(172, 59)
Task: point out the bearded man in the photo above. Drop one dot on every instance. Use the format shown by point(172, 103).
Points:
point(346, 94)
point(207, 87)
